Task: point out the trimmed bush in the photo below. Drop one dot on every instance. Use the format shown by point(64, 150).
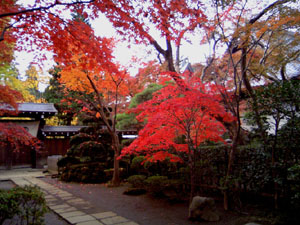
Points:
point(136, 164)
point(156, 184)
point(80, 138)
point(137, 181)
point(62, 162)
point(85, 172)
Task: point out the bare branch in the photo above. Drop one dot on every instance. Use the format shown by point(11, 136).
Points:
point(43, 8)
point(268, 8)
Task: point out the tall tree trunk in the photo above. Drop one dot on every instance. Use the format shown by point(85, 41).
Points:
point(229, 168)
point(116, 174)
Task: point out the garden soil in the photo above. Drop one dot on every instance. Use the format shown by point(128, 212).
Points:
point(143, 209)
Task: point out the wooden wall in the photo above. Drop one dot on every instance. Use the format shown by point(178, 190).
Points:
point(23, 157)
point(56, 146)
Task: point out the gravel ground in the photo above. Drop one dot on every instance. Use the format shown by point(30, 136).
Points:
point(50, 217)
point(142, 209)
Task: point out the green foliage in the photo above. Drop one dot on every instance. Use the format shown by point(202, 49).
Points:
point(145, 95)
point(8, 205)
point(85, 172)
point(65, 161)
point(88, 157)
point(26, 205)
point(156, 184)
point(294, 179)
point(80, 138)
point(288, 138)
point(269, 164)
point(251, 170)
point(279, 100)
point(136, 164)
point(126, 121)
point(137, 181)
point(62, 98)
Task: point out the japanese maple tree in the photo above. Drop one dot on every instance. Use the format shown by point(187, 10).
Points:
point(260, 39)
point(98, 76)
point(175, 112)
point(8, 100)
point(13, 137)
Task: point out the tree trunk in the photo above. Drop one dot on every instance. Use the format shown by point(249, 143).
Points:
point(229, 171)
point(116, 174)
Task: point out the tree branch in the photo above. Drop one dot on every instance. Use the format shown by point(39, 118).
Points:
point(268, 8)
point(42, 8)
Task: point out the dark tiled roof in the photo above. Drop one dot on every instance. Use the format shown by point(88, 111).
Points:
point(37, 107)
point(62, 128)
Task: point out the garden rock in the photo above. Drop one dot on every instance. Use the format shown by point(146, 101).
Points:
point(203, 208)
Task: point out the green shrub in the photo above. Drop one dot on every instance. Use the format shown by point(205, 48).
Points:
point(136, 163)
point(109, 173)
point(8, 205)
point(294, 180)
point(156, 184)
point(26, 205)
point(137, 181)
point(85, 172)
point(80, 138)
point(91, 148)
point(62, 162)
point(174, 190)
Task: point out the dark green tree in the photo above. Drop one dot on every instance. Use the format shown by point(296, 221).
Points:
point(62, 98)
point(127, 121)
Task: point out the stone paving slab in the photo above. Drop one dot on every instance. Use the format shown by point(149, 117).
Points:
point(60, 206)
point(78, 219)
point(114, 220)
point(67, 205)
point(93, 222)
point(67, 198)
point(64, 210)
point(128, 223)
point(103, 215)
point(51, 203)
point(73, 213)
point(20, 181)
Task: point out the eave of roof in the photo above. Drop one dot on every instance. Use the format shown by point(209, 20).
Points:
point(37, 107)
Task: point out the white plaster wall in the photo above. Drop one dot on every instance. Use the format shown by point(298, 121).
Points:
point(32, 126)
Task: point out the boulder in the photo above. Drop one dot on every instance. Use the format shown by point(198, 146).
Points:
point(52, 163)
point(203, 208)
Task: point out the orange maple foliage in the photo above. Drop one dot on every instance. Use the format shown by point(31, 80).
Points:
point(92, 71)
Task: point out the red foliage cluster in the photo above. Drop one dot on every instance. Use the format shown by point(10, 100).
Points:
point(179, 120)
point(8, 100)
point(14, 137)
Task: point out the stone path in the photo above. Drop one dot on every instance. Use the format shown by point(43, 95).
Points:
point(71, 208)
